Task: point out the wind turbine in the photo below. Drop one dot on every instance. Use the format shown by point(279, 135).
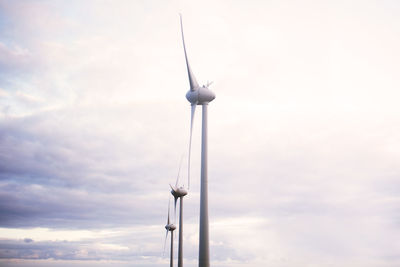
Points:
point(170, 228)
point(179, 192)
point(200, 96)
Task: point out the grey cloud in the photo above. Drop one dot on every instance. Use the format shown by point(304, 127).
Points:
point(133, 245)
point(60, 250)
point(49, 206)
point(59, 169)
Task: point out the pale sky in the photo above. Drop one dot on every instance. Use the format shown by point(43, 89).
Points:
point(304, 143)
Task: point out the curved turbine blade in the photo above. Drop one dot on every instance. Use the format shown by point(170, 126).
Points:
point(174, 189)
point(176, 199)
point(169, 202)
point(179, 170)
point(192, 80)
point(165, 242)
point(190, 140)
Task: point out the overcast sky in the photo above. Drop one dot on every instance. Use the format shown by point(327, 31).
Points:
point(304, 133)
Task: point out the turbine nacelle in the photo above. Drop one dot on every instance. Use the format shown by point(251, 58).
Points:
point(178, 191)
point(200, 95)
point(170, 227)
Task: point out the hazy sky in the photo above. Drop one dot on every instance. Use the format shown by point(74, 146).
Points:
point(304, 134)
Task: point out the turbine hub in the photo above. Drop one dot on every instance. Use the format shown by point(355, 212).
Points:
point(200, 96)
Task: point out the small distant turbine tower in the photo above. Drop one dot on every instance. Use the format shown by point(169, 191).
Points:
point(170, 227)
point(179, 192)
point(200, 96)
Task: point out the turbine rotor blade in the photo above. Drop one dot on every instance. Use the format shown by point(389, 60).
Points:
point(165, 242)
point(173, 188)
point(192, 80)
point(193, 109)
point(169, 202)
point(179, 171)
point(176, 199)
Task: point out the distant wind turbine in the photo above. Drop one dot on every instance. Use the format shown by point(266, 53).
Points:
point(200, 96)
point(170, 228)
point(179, 192)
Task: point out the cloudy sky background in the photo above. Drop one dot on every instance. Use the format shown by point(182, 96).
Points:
point(304, 143)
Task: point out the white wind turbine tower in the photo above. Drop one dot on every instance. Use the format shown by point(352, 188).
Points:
point(179, 192)
point(200, 96)
point(170, 227)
